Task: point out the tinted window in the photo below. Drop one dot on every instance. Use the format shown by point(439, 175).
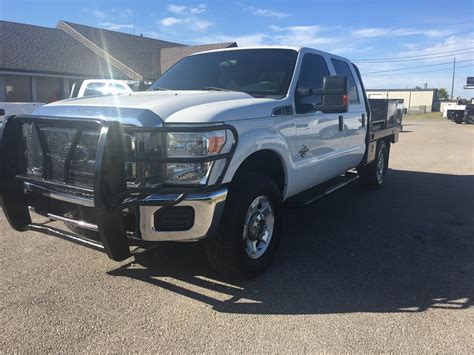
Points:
point(17, 88)
point(258, 72)
point(48, 89)
point(313, 71)
point(342, 69)
point(94, 89)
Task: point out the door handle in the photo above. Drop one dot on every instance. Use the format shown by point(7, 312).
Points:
point(341, 123)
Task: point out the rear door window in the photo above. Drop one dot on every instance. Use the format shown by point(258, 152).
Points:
point(342, 69)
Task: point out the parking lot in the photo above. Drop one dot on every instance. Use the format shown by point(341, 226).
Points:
point(389, 270)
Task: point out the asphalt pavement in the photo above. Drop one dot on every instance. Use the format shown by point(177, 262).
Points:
point(357, 271)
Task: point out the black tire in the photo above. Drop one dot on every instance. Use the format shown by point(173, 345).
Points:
point(458, 120)
point(225, 250)
point(369, 175)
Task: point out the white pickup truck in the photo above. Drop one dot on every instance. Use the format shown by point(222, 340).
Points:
point(93, 87)
point(212, 151)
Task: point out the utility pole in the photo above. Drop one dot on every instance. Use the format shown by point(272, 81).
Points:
point(452, 83)
point(134, 26)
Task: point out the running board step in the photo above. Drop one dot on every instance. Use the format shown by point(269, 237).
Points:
point(315, 193)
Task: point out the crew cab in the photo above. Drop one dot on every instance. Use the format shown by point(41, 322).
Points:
point(211, 152)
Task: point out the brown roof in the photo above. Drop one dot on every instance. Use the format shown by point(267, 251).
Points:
point(48, 50)
point(141, 54)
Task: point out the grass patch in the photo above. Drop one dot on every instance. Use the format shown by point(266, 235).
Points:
point(423, 116)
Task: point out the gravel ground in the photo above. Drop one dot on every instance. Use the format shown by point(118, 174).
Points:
point(382, 271)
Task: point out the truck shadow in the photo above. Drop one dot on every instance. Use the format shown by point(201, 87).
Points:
point(405, 248)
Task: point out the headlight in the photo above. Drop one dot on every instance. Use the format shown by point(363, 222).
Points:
point(178, 157)
point(191, 144)
point(196, 145)
point(188, 173)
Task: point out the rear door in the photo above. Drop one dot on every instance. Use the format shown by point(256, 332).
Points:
point(319, 140)
point(354, 121)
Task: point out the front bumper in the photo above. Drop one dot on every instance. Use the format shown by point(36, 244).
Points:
point(109, 216)
point(207, 207)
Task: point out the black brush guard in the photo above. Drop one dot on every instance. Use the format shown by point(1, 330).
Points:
point(109, 195)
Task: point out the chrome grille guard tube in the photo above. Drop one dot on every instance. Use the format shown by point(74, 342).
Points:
point(107, 198)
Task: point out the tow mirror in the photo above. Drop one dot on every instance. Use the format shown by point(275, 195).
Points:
point(334, 94)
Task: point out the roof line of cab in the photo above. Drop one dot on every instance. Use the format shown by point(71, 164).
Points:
point(295, 48)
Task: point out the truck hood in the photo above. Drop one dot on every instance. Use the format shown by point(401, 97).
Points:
point(153, 108)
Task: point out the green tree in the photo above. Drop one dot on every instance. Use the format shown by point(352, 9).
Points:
point(443, 93)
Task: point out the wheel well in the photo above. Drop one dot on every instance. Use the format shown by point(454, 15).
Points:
point(264, 162)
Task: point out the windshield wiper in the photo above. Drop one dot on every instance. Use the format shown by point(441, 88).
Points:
point(160, 89)
point(214, 88)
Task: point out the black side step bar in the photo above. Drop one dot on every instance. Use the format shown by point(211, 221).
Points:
point(315, 193)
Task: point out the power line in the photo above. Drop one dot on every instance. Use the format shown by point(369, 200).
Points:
point(425, 58)
point(416, 57)
point(421, 72)
point(418, 66)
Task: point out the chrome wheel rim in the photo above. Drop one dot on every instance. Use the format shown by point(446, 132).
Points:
point(380, 166)
point(258, 227)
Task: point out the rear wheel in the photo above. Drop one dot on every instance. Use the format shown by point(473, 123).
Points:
point(372, 175)
point(250, 228)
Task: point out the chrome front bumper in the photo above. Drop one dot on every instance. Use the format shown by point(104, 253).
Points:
point(207, 207)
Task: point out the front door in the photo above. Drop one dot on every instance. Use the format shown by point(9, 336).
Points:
point(319, 140)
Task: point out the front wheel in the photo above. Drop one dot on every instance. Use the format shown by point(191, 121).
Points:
point(372, 175)
point(250, 228)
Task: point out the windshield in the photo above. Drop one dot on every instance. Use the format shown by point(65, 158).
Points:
point(258, 72)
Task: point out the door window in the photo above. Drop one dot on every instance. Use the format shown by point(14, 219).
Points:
point(313, 71)
point(342, 69)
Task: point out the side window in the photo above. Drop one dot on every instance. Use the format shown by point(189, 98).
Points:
point(342, 69)
point(313, 70)
point(94, 89)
